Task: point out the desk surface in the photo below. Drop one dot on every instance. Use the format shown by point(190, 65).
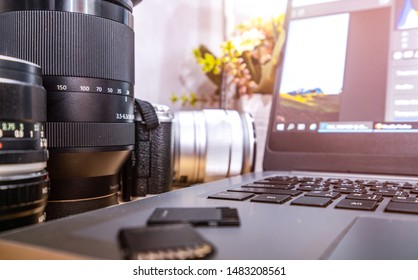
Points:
point(267, 231)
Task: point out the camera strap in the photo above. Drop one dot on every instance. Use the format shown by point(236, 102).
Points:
point(148, 114)
point(138, 167)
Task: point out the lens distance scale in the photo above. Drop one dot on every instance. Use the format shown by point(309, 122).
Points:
point(88, 85)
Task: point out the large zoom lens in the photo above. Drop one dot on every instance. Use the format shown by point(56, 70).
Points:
point(86, 51)
point(212, 144)
point(23, 155)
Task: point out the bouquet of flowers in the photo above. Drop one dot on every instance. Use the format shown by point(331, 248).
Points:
point(247, 62)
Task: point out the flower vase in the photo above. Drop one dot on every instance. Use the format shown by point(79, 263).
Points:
point(258, 105)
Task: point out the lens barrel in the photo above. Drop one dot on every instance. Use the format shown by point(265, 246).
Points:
point(86, 52)
point(24, 182)
point(212, 144)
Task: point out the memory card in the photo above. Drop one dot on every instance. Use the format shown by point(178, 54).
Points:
point(207, 216)
point(163, 242)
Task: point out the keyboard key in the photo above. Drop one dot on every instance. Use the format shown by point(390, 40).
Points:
point(350, 190)
point(272, 182)
point(389, 183)
point(310, 179)
point(343, 182)
point(271, 198)
point(231, 196)
point(385, 188)
point(349, 185)
point(333, 181)
point(312, 201)
point(358, 181)
point(403, 199)
point(407, 185)
point(286, 179)
point(391, 193)
point(357, 204)
point(312, 188)
point(372, 183)
point(330, 194)
point(404, 185)
point(317, 184)
point(414, 190)
point(411, 208)
point(267, 191)
point(373, 197)
point(257, 185)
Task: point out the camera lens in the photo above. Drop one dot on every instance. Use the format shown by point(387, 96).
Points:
point(212, 144)
point(86, 52)
point(23, 155)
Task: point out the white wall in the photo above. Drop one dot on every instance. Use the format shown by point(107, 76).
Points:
point(166, 34)
point(238, 11)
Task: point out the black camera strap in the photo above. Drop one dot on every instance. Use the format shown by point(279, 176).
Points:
point(148, 114)
point(137, 171)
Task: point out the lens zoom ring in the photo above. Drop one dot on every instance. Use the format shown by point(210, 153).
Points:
point(69, 44)
point(68, 135)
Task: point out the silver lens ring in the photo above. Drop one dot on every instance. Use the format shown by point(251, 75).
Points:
point(13, 169)
point(219, 146)
point(212, 144)
point(189, 146)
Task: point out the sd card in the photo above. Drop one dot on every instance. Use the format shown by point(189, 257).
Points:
point(207, 216)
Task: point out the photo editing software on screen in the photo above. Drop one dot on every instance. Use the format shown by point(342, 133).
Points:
point(350, 67)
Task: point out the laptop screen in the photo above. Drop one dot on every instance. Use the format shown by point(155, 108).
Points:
point(347, 83)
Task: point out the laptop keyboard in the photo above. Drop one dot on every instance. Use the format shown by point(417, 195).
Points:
point(365, 195)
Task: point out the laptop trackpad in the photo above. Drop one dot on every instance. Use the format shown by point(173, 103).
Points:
point(377, 239)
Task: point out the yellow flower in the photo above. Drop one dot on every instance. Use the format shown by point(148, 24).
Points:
point(197, 54)
point(228, 47)
point(209, 63)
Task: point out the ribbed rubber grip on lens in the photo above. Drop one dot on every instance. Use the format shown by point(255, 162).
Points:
point(21, 193)
point(73, 135)
point(69, 44)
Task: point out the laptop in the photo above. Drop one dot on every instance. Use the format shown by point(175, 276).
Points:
point(341, 158)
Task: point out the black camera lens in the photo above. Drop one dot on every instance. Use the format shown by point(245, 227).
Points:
point(86, 52)
point(23, 156)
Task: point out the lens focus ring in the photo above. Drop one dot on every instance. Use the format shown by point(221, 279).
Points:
point(20, 190)
point(84, 45)
point(90, 134)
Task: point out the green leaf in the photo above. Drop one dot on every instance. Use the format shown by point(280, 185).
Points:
point(197, 54)
point(174, 98)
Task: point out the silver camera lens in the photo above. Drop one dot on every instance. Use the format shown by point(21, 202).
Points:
point(212, 144)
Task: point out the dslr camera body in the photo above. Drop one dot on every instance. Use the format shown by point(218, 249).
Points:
point(149, 169)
